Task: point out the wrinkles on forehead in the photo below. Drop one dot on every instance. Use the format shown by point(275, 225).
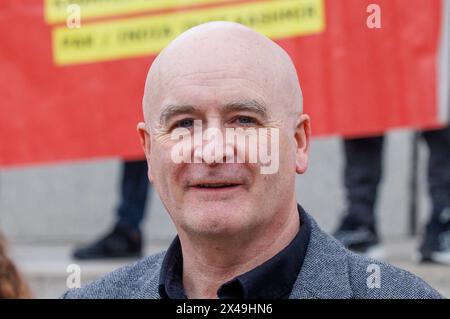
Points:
point(211, 52)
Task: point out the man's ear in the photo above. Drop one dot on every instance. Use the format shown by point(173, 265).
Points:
point(145, 140)
point(302, 139)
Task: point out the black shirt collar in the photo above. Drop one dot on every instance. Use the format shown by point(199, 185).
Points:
point(273, 279)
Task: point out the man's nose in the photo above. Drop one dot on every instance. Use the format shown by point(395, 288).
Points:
point(214, 148)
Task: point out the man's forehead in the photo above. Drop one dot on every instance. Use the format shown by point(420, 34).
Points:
point(231, 83)
point(220, 52)
point(213, 89)
point(209, 65)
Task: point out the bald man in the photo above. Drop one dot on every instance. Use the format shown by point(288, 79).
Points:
point(241, 233)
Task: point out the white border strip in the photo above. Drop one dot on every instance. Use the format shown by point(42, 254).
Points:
point(444, 66)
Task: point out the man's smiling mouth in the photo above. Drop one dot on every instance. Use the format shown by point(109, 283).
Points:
point(221, 185)
point(216, 186)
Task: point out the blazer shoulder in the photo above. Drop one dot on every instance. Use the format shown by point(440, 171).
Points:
point(330, 271)
point(137, 280)
point(373, 279)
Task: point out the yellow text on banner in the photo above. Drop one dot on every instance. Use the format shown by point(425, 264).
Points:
point(58, 10)
point(147, 35)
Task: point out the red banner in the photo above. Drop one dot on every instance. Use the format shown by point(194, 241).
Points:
point(74, 93)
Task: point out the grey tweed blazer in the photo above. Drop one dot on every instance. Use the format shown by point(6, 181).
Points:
point(328, 271)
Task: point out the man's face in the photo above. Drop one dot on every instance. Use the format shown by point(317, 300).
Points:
point(220, 199)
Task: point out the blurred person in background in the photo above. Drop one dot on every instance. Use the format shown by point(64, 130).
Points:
point(12, 285)
point(362, 174)
point(125, 238)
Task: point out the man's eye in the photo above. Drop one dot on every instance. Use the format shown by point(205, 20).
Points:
point(185, 123)
point(245, 120)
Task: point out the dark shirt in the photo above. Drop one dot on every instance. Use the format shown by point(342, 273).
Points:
point(273, 279)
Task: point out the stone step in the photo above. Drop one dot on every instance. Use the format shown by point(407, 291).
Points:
point(45, 267)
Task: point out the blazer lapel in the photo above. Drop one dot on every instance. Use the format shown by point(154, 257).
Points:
point(324, 273)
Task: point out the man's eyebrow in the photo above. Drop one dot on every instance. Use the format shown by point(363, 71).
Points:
point(172, 110)
point(254, 106)
point(247, 105)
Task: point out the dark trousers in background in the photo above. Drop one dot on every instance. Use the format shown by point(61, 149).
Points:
point(363, 171)
point(134, 190)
